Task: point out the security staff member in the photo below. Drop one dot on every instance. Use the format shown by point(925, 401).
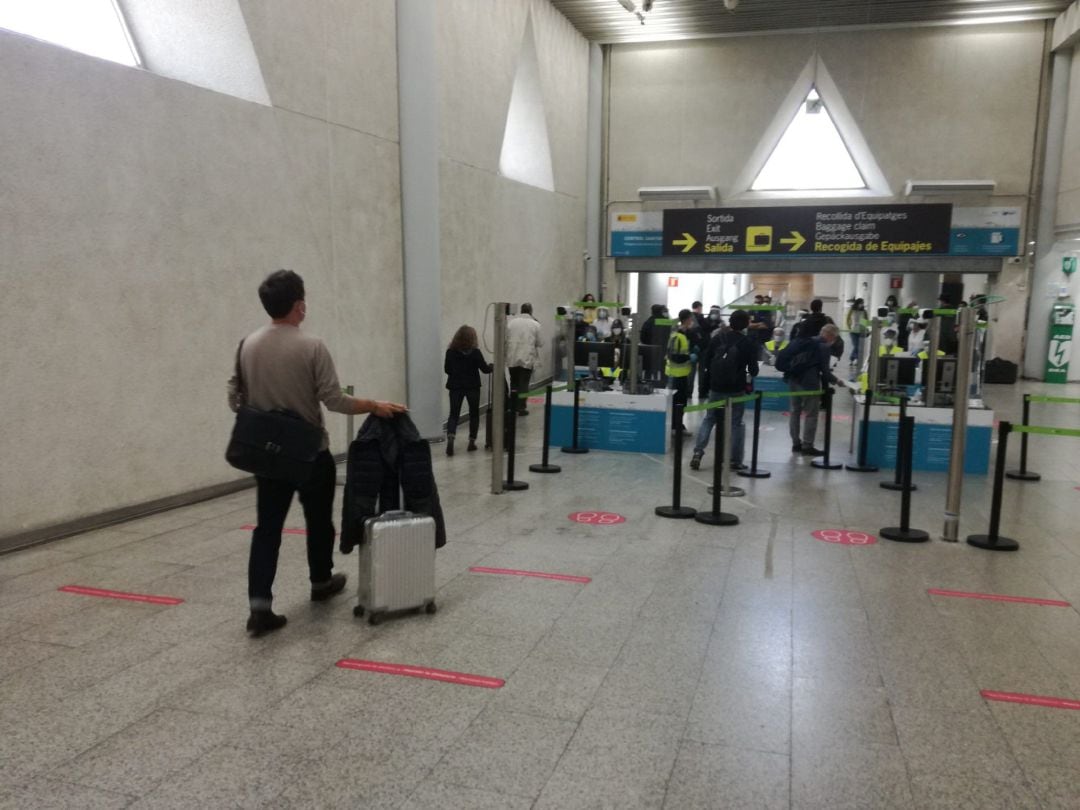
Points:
point(678, 364)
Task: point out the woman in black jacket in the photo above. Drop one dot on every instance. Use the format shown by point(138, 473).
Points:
point(463, 365)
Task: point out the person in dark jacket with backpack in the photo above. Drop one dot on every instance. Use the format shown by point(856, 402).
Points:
point(805, 364)
point(729, 365)
point(463, 365)
point(811, 325)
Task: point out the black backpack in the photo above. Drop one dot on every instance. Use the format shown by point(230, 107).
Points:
point(797, 358)
point(726, 371)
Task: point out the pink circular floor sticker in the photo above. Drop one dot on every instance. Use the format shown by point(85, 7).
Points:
point(844, 537)
point(598, 518)
point(536, 400)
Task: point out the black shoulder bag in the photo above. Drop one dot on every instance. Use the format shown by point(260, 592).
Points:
point(277, 444)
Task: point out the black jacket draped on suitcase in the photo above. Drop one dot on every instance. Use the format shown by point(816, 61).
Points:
point(389, 467)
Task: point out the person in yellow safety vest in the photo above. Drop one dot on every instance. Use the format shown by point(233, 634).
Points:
point(776, 345)
point(679, 360)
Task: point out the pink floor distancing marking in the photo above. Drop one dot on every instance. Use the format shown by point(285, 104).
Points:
point(997, 597)
point(130, 597)
point(1031, 700)
point(844, 537)
point(536, 400)
point(249, 527)
point(422, 672)
point(598, 518)
point(479, 569)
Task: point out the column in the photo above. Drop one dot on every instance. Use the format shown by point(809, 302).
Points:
point(920, 287)
point(594, 227)
point(418, 120)
point(1047, 269)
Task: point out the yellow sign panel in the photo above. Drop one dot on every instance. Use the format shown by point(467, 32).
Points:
point(759, 238)
point(627, 217)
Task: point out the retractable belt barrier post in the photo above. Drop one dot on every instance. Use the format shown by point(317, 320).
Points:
point(904, 533)
point(824, 463)
point(860, 464)
point(510, 484)
point(1023, 474)
point(716, 517)
point(754, 472)
point(898, 479)
point(677, 511)
point(573, 448)
point(543, 466)
point(993, 541)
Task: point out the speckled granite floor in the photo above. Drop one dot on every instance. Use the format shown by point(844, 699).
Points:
point(704, 667)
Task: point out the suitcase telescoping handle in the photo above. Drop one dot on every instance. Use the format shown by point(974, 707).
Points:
point(395, 513)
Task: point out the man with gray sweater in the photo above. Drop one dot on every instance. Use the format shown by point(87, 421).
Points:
point(283, 368)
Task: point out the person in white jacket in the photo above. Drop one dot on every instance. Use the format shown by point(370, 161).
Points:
point(523, 342)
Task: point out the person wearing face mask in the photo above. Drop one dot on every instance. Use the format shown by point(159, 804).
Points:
point(775, 345)
point(602, 323)
point(889, 346)
point(857, 325)
point(588, 304)
point(617, 337)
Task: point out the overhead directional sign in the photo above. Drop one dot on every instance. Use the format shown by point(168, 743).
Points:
point(809, 230)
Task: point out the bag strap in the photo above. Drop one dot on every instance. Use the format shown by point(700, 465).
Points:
point(241, 389)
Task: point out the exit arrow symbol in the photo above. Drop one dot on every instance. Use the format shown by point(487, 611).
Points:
point(687, 241)
point(796, 241)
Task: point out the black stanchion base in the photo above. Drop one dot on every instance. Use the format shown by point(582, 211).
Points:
point(1017, 475)
point(576, 450)
point(895, 487)
point(860, 468)
point(983, 541)
point(901, 536)
point(515, 486)
point(753, 473)
point(822, 464)
point(717, 518)
point(730, 492)
point(675, 512)
point(545, 468)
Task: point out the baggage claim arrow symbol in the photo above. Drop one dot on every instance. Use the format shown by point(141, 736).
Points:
point(796, 242)
point(687, 241)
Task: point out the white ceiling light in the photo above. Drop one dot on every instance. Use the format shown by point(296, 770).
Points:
point(677, 193)
point(917, 187)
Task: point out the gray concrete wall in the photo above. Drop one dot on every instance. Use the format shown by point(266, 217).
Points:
point(932, 103)
point(503, 240)
point(138, 215)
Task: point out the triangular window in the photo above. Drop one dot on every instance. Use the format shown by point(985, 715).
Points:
point(526, 153)
point(810, 155)
point(812, 148)
point(93, 27)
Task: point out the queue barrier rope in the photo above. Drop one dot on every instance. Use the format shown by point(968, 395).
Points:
point(1046, 431)
point(538, 391)
point(819, 392)
point(1054, 400)
point(597, 304)
point(720, 403)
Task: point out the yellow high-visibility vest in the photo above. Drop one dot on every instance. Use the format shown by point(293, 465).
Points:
point(678, 344)
point(772, 347)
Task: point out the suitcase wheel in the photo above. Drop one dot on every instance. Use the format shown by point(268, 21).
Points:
point(375, 618)
point(358, 610)
point(430, 608)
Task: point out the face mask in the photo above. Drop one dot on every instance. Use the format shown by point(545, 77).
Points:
point(616, 331)
point(665, 314)
point(889, 343)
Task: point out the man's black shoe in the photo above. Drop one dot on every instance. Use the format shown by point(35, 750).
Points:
point(262, 622)
point(322, 592)
point(738, 465)
point(812, 451)
point(695, 460)
point(796, 447)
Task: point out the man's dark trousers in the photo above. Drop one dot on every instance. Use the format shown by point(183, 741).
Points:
point(272, 502)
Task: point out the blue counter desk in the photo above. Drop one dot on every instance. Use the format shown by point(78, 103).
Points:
point(933, 437)
point(611, 420)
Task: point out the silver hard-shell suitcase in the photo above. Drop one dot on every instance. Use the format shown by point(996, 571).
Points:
point(397, 565)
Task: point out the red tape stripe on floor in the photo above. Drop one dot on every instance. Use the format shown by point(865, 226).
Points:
point(479, 569)
point(422, 672)
point(130, 597)
point(997, 597)
point(1031, 700)
point(249, 527)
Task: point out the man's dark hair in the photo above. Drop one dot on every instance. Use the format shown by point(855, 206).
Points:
point(657, 310)
point(739, 320)
point(526, 309)
point(815, 305)
point(280, 291)
point(684, 314)
point(696, 305)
